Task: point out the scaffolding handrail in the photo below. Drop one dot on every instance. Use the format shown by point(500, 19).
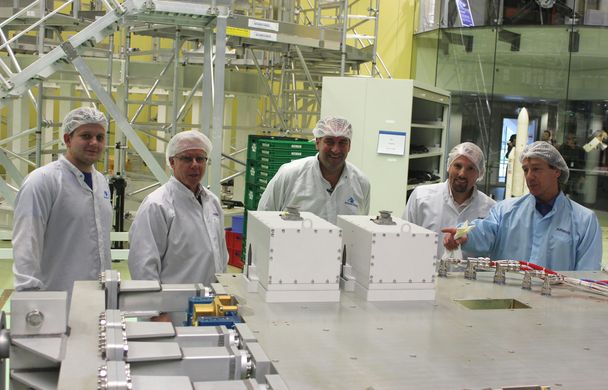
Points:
point(36, 24)
point(19, 13)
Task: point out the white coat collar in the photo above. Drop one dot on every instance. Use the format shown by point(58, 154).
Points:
point(464, 204)
point(77, 172)
point(186, 191)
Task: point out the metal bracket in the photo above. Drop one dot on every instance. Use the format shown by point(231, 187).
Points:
point(546, 290)
point(499, 275)
point(384, 218)
point(291, 213)
point(470, 272)
point(526, 284)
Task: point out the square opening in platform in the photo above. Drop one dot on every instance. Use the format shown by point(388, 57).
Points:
point(492, 304)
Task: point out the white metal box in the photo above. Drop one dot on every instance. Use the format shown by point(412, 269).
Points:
point(390, 262)
point(295, 261)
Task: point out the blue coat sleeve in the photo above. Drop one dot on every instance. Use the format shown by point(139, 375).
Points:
point(482, 239)
point(589, 248)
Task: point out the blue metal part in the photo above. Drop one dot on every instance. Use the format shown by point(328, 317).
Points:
point(195, 301)
point(228, 321)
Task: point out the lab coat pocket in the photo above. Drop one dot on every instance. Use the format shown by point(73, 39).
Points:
point(562, 239)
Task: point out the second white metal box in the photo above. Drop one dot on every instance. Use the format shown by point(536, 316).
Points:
point(295, 261)
point(390, 262)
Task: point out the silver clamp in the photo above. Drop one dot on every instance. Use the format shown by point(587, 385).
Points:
point(384, 218)
point(291, 213)
point(110, 282)
point(112, 336)
point(114, 376)
point(470, 272)
point(526, 284)
point(499, 275)
point(546, 290)
point(442, 271)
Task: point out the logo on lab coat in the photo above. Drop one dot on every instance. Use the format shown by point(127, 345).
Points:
point(351, 202)
point(106, 195)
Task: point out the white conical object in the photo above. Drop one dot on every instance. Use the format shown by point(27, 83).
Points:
point(518, 181)
point(509, 175)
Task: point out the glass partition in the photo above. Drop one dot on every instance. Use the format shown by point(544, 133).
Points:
point(551, 58)
point(478, 13)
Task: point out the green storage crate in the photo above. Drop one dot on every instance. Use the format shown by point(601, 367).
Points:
point(270, 166)
point(262, 181)
point(252, 149)
point(251, 173)
point(253, 193)
point(285, 155)
point(285, 145)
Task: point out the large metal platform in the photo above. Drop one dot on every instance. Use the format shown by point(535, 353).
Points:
point(560, 341)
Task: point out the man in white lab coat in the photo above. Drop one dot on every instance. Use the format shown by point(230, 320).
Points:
point(178, 233)
point(63, 215)
point(435, 206)
point(326, 184)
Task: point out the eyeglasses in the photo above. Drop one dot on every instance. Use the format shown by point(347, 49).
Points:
point(189, 159)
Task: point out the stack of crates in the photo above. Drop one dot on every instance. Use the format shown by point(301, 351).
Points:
point(265, 155)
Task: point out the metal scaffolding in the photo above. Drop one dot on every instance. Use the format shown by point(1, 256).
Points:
point(197, 57)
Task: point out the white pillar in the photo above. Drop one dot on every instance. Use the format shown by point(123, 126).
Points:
point(19, 121)
point(65, 106)
point(196, 105)
point(591, 164)
point(162, 117)
point(241, 114)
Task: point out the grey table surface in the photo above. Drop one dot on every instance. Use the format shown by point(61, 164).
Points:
point(561, 341)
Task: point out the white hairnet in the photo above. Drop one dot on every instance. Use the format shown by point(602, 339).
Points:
point(333, 127)
point(186, 140)
point(471, 152)
point(546, 151)
point(83, 116)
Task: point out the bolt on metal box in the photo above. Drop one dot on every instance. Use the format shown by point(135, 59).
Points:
point(394, 262)
point(38, 313)
point(295, 260)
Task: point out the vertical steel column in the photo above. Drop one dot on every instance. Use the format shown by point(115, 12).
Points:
point(106, 153)
point(344, 13)
point(218, 103)
point(176, 89)
point(207, 91)
point(41, 32)
point(375, 70)
point(76, 9)
point(207, 98)
point(120, 152)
